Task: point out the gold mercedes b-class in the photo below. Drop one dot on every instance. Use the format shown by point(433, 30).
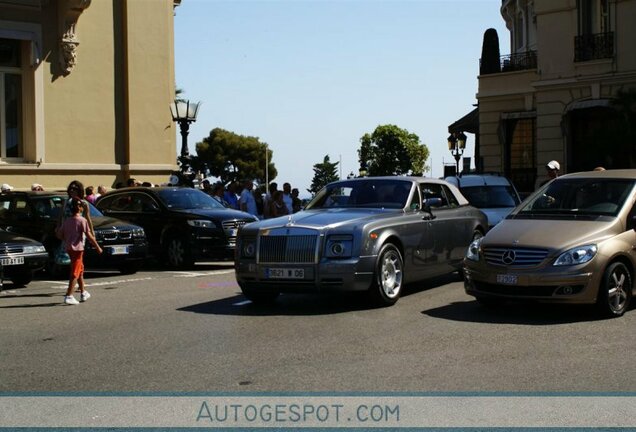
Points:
point(572, 241)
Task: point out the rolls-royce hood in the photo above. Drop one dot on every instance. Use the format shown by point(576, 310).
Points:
point(325, 218)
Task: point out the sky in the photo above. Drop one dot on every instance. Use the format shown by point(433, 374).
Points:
point(311, 77)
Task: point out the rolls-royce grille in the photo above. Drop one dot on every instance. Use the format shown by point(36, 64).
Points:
point(287, 249)
point(514, 257)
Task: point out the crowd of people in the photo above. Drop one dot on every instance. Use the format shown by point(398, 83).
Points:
point(262, 203)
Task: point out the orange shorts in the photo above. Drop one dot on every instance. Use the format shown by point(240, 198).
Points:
point(77, 263)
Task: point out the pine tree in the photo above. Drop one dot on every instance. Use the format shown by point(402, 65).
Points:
point(324, 173)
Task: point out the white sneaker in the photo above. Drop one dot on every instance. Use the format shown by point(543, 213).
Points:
point(85, 296)
point(70, 300)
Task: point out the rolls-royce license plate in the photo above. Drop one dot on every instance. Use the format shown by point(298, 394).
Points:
point(507, 279)
point(285, 273)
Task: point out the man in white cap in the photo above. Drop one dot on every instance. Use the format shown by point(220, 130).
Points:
point(6, 188)
point(552, 168)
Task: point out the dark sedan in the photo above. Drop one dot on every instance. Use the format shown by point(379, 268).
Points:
point(183, 225)
point(368, 234)
point(35, 215)
point(20, 257)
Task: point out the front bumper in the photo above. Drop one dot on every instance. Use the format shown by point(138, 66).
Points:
point(32, 263)
point(114, 255)
point(353, 274)
point(575, 285)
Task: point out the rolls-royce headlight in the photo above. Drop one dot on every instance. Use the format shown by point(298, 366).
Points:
point(201, 223)
point(474, 250)
point(33, 249)
point(577, 255)
point(248, 248)
point(339, 246)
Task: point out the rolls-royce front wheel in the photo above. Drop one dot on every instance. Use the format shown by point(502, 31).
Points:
point(389, 275)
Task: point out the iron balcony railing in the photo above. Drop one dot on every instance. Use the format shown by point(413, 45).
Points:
point(526, 60)
point(593, 46)
point(519, 61)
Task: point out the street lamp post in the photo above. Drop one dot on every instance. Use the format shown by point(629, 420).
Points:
point(457, 145)
point(184, 112)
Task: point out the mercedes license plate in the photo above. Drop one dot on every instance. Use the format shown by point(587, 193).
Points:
point(507, 279)
point(12, 261)
point(285, 273)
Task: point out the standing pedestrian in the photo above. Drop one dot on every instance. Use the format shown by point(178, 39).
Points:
point(287, 198)
point(72, 233)
point(90, 194)
point(552, 169)
point(247, 202)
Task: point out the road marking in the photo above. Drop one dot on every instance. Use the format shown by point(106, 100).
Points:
point(185, 274)
point(56, 282)
point(243, 303)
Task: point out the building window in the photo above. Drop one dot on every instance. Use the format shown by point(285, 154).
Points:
point(520, 152)
point(11, 145)
point(518, 32)
point(596, 38)
point(594, 16)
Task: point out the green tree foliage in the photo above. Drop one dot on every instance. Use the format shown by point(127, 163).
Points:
point(490, 53)
point(233, 157)
point(390, 150)
point(324, 173)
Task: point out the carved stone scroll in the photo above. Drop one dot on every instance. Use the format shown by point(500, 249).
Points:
point(69, 12)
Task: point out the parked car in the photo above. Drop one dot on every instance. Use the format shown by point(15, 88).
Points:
point(183, 225)
point(367, 234)
point(36, 214)
point(493, 194)
point(20, 257)
point(572, 241)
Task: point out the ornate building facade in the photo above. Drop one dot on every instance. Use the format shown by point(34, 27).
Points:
point(85, 89)
point(561, 93)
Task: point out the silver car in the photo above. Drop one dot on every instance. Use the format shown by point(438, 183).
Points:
point(572, 241)
point(367, 234)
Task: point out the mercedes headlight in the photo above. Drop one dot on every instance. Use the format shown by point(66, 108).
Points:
point(33, 249)
point(201, 223)
point(473, 252)
point(138, 233)
point(577, 255)
point(339, 246)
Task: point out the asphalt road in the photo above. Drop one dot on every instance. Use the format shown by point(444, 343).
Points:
point(194, 331)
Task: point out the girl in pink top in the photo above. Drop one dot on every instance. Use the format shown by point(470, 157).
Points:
point(72, 232)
